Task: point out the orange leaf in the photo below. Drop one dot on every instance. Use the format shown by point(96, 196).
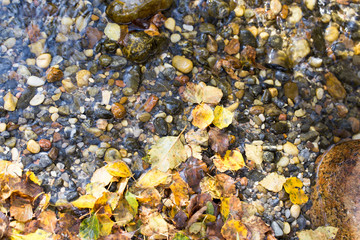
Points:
point(202, 115)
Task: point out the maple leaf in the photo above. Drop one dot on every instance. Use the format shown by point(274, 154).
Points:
point(90, 228)
point(219, 141)
point(168, 153)
point(233, 160)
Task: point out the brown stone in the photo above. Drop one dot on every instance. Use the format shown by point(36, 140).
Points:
point(45, 144)
point(53, 153)
point(355, 124)
point(256, 110)
point(118, 110)
point(56, 137)
point(334, 87)
point(233, 47)
point(54, 74)
point(150, 103)
point(291, 90)
point(341, 110)
point(335, 196)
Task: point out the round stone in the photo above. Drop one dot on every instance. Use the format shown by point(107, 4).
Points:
point(290, 149)
point(112, 31)
point(331, 34)
point(35, 81)
point(295, 211)
point(33, 146)
point(112, 155)
point(82, 78)
point(182, 64)
point(43, 61)
point(37, 100)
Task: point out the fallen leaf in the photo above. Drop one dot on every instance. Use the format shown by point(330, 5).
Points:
point(118, 169)
point(4, 225)
point(33, 178)
point(167, 153)
point(39, 234)
point(293, 187)
point(321, 233)
point(220, 186)
point(84, 201)
point(219, 141)
point(123, 213)
point(199, 137)
point(131, 199)
point(106, 224)
point(95, 189)
point(193, 150)
point(119, 236)
point(192, 93)
point(180, 190)
point(231, 207)
point(257, 227)
point(180, 236)
point(233, 160)
point(149, 197)
point(235, 230)
point(273, 182)
point(152, 178)
point(222, 117)
point(48, 220)
point(202, 115)
point(212, 95)
point(106, 203)
point(198, 228)
point(21, 208)
point(155, 226)
point(194, 171)
point(90, 228)
point(101, 175)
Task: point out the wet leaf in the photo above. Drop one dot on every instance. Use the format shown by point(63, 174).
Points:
point(219, 141)
point(222, 117)
point(123, 213)
point(293, 187)
point(212, 95)
point(4, 225)
point(194, 172)
point(39, 234)
point(233, 160)
point(131, 199)
point(257, 227)
point(231, 207)
point(95, 189)
point(234, 230)
point(48, 221)
point(273, 182)
point(106, 224)
point(180, 190)
point(101, 175)
point(167, 153)
point(155, 226)
point(326, 233)
point(191, 93)
point(90, 228)
point(84, 201)
point(180, 236)
point(33, 178)
point(152, 178)
point(21, 208)
point(149, 197)
point(199, 137)
point(220, 186)
point(202, 115)
point(118, 169)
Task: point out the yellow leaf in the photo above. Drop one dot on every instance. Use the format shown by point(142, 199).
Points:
point(233, 160)
point(37, 235)
point(224, 207)
point(155, 226)
point(10, 168)
point(298, 196)
point(95, 189)
point(123, 213)
point(222, 117)
point(118, 169)
point(106, 224)
point(180, 190)
point(234, 230)
point(33, 178)
point(85, 201)
point(102, 176)
point(152, 178)
point(292, 183)
point(202, 115)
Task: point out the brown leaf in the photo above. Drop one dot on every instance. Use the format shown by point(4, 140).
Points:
point(257, 227)
point(149, 197)
point(4, 225)
point(197, 202)
point(20, 208)
point(195, 216)
point(67, 225)
point(180, 219)
point(48, 220)
point(213, 230)
point(226, 183)
point(219, 141)
point(194, 171)
point(233, 46)
point(235, 230)
point(31, 226)
point(118, 236)
point(93, 35)
point(180, 190)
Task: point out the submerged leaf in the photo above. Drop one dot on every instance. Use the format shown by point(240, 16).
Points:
point(202, 115)
point(233, 160)
point(222, 117)
point(90, 228)
point(167, 153)
point(219, 141)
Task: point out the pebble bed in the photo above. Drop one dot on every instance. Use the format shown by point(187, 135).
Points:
point(71, 97)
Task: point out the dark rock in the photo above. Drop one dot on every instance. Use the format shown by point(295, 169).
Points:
point(173, 106)
point(280, 128)
point(161, 126)
point(247, 38)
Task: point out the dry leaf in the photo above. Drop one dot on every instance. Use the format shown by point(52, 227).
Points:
point(219, 141)
point(233, 160)
point(235, 230)
point(95, 189)
point(155, 226)
point(231, 207)
point(202, 115)
point(152, 179)
point(199, 137)
point(101, 175)
point(258, 228)
point(222, 117)
point(4, 225)
point(39, 234)
point(220, 186)
point(106, 224)
point(84, 201)
point(321, 233)
point(48, 221)
point(149, 197)
point(118, 169)
point(21, 208)
point(212, 95)
point(167, 153)
point(273, 182)
point(180, 190)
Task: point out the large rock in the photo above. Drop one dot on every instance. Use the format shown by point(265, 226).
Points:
point(335, 196)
